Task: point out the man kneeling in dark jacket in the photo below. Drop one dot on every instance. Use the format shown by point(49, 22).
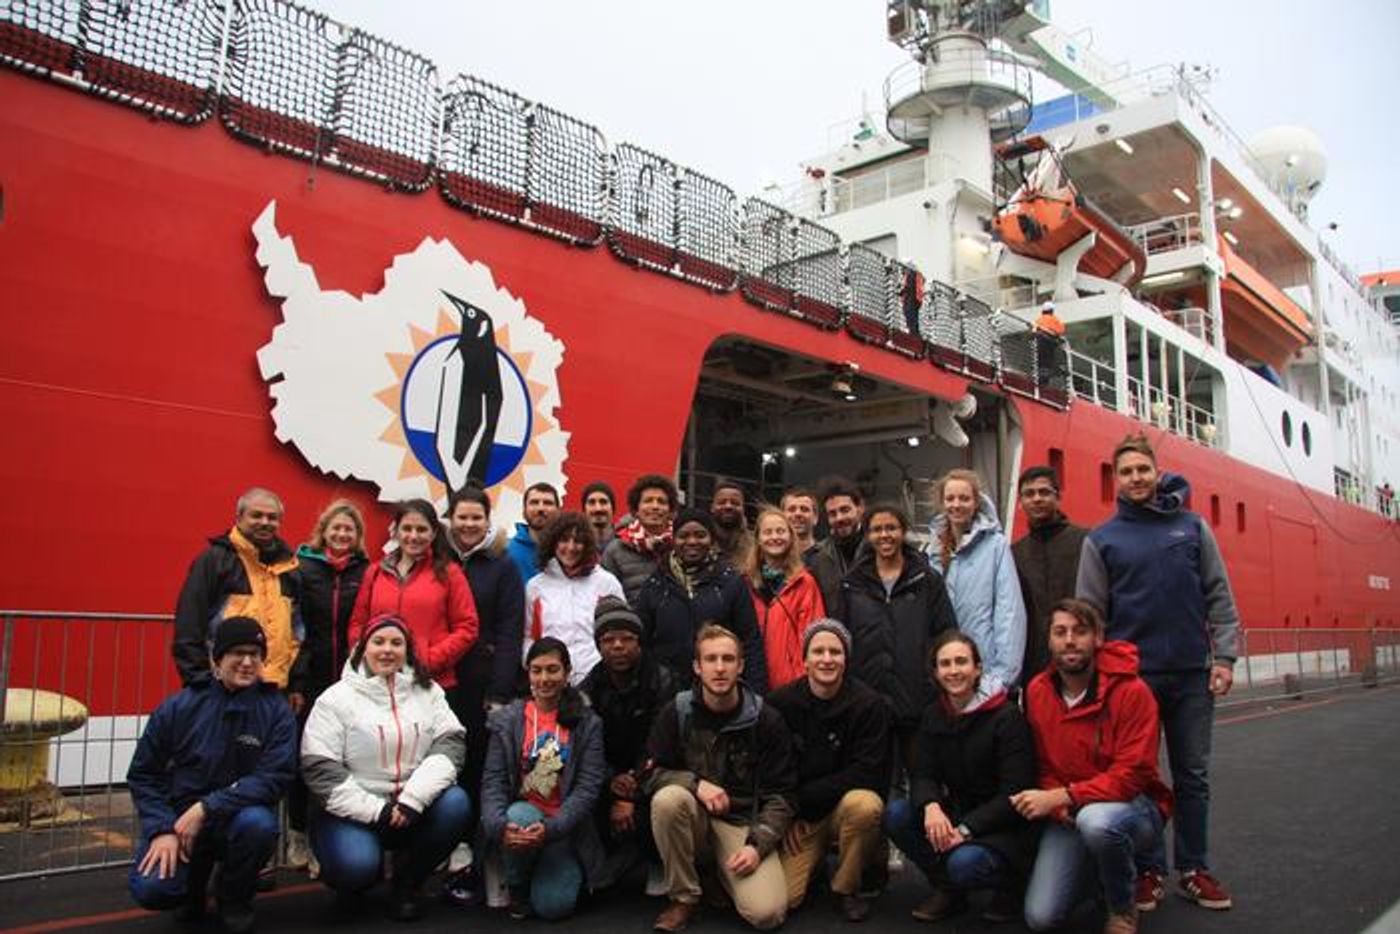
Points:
point(841, 731)
point(205, 780)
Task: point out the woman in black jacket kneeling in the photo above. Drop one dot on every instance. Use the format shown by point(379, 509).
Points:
point(971, 754)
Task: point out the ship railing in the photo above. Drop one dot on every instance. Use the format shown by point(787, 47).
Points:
point(1093, 380)
point(1194, 320)
point(297, 83)
point(1165, 234)
point(1172, 413)
point(1290, 661)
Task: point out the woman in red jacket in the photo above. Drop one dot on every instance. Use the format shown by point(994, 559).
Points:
point(786, 596)
point(421, 583)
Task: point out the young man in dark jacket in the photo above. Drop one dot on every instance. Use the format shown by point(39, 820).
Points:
point(722, 780)
point(1095, 727)
point(693, 588)
point(841, 738)
point(831, 559)
point(246, 572)
point(1155, 571)
point(205, 781)
point(1047, 561)
point(627, 690)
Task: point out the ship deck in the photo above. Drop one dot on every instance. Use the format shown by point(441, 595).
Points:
point(1303, 835)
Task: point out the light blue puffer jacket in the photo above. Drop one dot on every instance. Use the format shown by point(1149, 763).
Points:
point(986, 595)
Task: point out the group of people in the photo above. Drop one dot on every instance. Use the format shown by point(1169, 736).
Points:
point(674, 694)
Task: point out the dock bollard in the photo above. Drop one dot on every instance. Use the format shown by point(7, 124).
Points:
point(1293, 686)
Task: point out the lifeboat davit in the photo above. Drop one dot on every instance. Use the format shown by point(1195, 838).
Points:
point(1047, 215)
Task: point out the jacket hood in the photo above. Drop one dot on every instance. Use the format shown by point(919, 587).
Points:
point(983, 521)
point(492, 546)
point(522, 534)
point(1117, 660)
point(1173, 496)
point(746, 716)
point(280, 550)
point(374, 687)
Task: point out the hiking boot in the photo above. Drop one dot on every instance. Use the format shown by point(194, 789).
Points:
point(943, 903)
point(852, 907)
point(1203, 889)
point(1124, 923)
point(1149, 890)
point(1006, 905)
point(675, 917)
point(462, 888)
point(298, 850)
point(237, 917)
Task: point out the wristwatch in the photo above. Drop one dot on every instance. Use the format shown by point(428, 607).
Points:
point(962, 829)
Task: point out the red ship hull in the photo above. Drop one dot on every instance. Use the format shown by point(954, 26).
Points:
point(136, 412)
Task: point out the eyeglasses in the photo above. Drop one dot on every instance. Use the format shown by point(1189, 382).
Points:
point(245, 654)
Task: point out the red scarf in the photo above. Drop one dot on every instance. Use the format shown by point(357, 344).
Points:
point(635, 536)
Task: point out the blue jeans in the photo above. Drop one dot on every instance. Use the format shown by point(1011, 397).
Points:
point(242, 845)
point(351, 853)
point(970, 866)
point(1103, 841)
point(1187, 711)
point(551, 874)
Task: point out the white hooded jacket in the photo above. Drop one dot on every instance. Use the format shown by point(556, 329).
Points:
point(561, 606)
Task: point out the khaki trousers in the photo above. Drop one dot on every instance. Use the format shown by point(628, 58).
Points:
point(684, 831)
point(855, 822)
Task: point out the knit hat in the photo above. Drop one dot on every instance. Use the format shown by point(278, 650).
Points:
point(825, 624)
point(379, 622)
point(238, 630)
point(613, 613)
point(691, 514)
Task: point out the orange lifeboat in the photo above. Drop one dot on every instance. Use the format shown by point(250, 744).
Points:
point(1047, 215)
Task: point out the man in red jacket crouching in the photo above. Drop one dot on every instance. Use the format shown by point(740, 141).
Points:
point(1095, 727)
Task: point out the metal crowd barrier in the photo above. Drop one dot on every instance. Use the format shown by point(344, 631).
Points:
point(293, 81)
point(1287, 662)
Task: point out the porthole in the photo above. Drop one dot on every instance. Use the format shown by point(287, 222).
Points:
point(1287, 429)
point(1307, 440)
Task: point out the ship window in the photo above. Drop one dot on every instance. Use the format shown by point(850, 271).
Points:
point(1106, 482)
point(1287, 429)
point(1057, 464)
point(1239, 517)
point(1307, 439)
point(1215, 509)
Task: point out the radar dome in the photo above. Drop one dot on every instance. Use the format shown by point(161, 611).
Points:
point(1293, 159)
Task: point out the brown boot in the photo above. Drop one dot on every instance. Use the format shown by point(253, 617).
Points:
point(675, 917)
point(943, 903)
point(1125, 923)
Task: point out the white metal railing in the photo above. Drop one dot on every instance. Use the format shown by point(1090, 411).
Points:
point(957, 67)
point(1194, 320)
point(1165, 234)
point(989, 289)
point(1093, 380)
point(1172, 413)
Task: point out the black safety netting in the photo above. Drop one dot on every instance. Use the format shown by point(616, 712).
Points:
point(767, 239)
point(940, 318)
point(707, 231)
point(816, 275)
point(40, 37)
point(865, 272)
point(1017, 345)
point(567, 178)
point(280, 89)
point(642, 226)
point(385, 112)
point(156, 55)
point(979, 338)
point(485, 148)
point(1052, 372)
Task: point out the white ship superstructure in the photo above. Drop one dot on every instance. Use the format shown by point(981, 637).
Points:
point(1245, 331)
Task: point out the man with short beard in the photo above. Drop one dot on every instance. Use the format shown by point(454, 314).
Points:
point(722, 780)
point(844, 506)
point(541, 506)
point(841, 737)
point(600, 506)
point(800, 508)
point(626, 690)
point(732, 535)
point(1095, 727)
point(1047, 561)
point(249, 571)
point(205, 780)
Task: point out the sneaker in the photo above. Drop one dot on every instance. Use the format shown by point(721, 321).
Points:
point(943, 903)
point(676, 917)
point(1125, 923)
point(462, 888)
point(852, 907)
point(298, 850)
point(1149, 890)
point(1203, 889)
point(519, 907)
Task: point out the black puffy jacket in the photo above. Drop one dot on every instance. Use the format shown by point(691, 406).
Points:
point(327, 597)
point(671, 618)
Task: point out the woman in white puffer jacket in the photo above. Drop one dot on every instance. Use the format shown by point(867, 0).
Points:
point(561, 600)
point(380, 755)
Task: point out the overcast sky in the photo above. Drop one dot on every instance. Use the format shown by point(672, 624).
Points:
point(744, 90)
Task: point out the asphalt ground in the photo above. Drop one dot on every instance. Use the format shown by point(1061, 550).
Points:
point(1306, 834)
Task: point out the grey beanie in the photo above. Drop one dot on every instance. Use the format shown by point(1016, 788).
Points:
point(826, 624)
point(614, 613)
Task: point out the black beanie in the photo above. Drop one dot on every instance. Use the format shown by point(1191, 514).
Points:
point(237, 630)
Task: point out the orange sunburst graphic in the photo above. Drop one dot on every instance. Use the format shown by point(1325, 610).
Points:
point(390, 397)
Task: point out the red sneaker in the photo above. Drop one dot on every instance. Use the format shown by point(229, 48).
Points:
point(1203, 889)
point(1149, 891)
